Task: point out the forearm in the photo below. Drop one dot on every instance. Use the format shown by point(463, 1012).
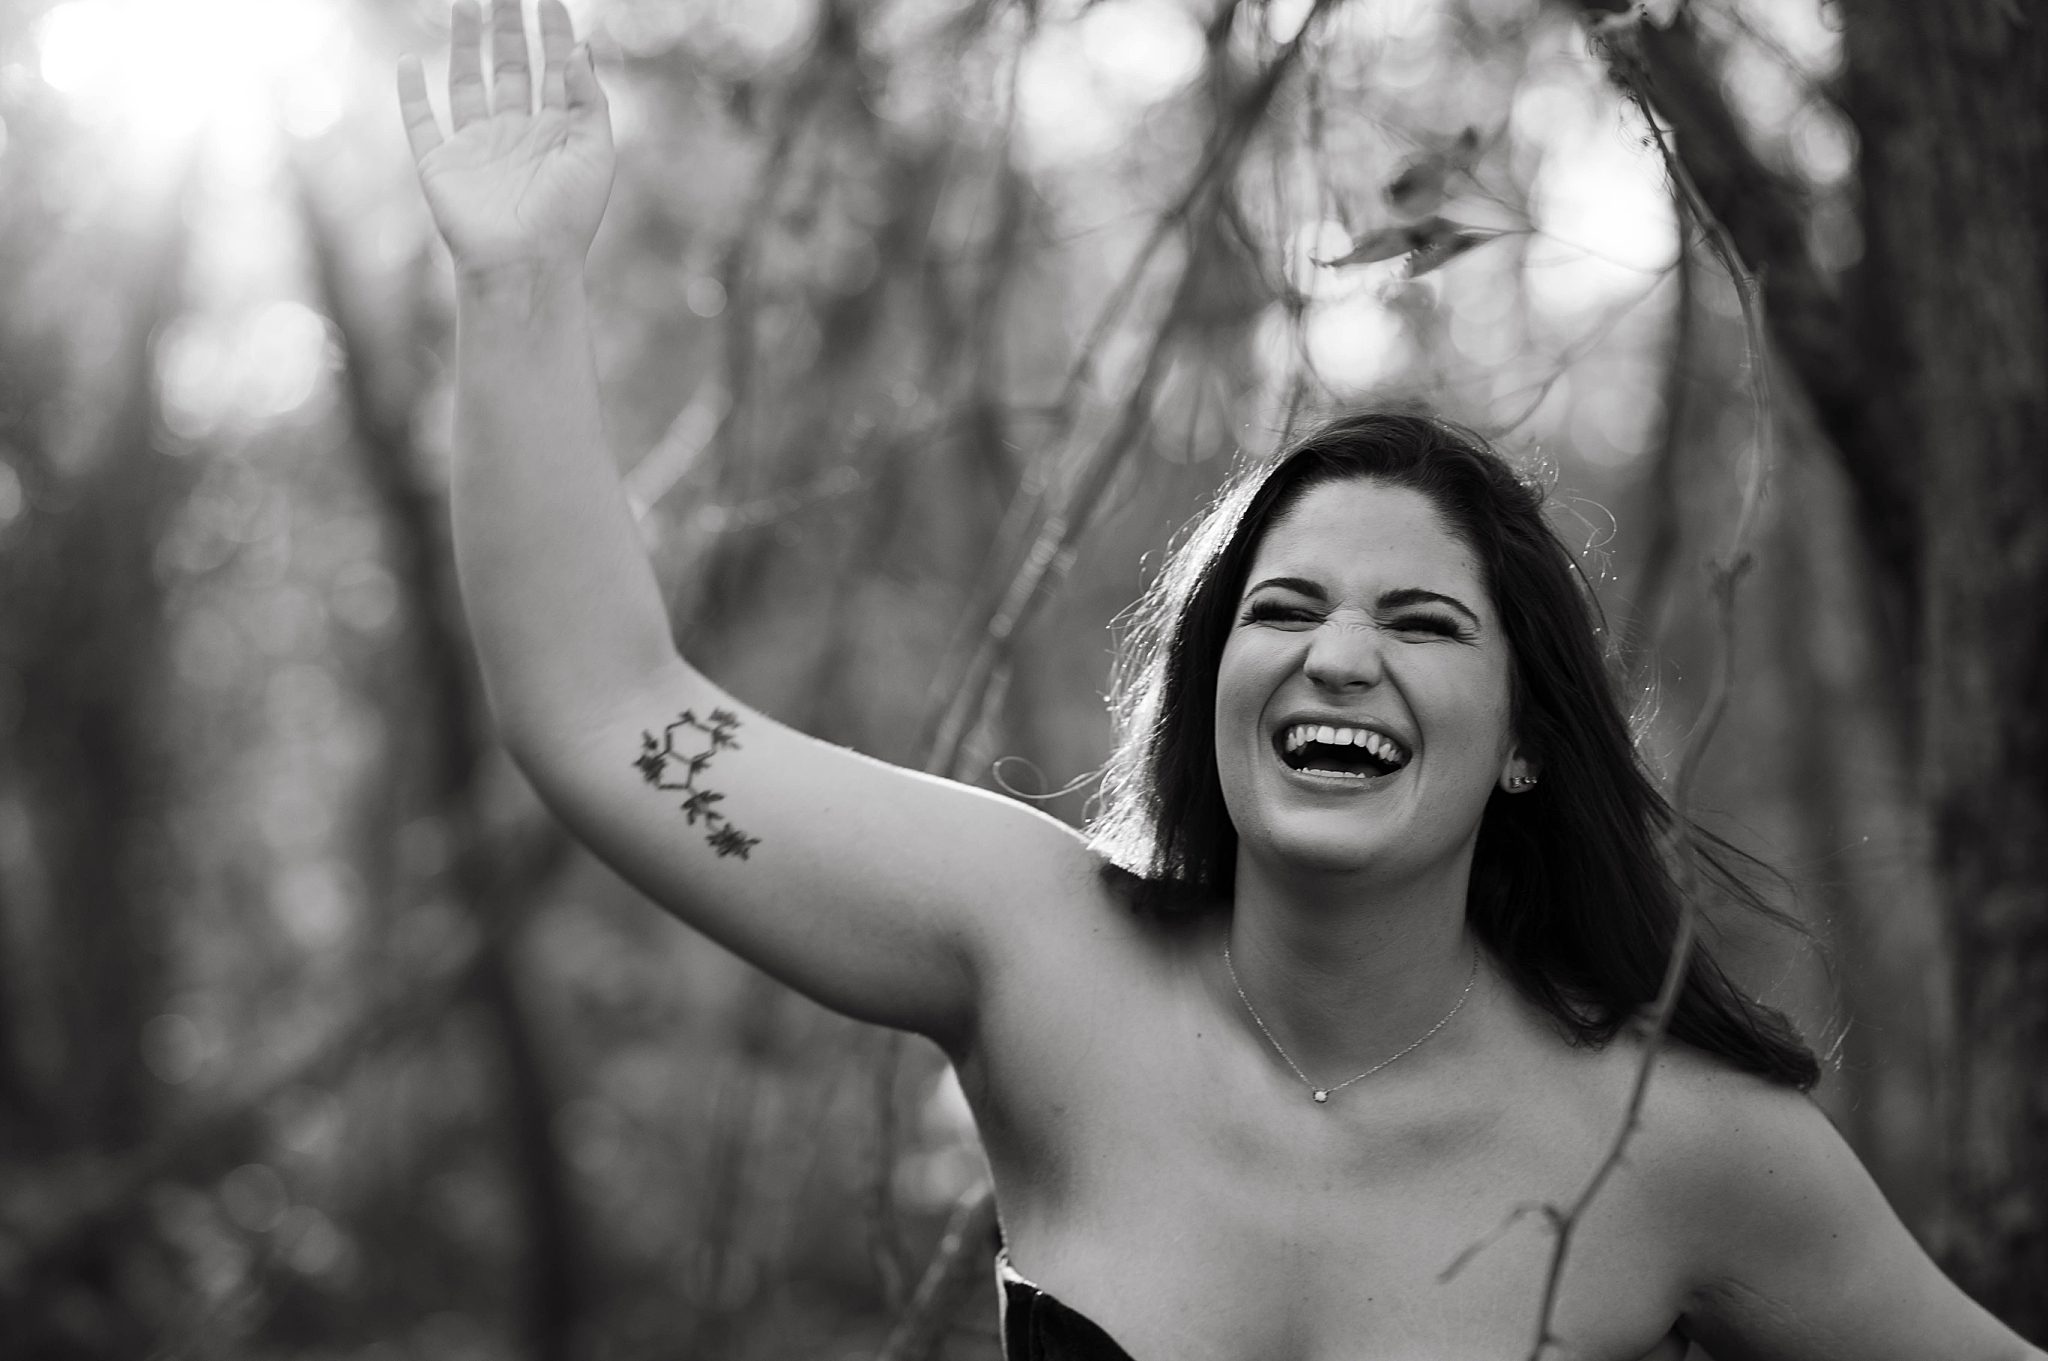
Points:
point(560, 597)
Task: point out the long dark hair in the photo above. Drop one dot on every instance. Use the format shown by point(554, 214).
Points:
point(1572, 885)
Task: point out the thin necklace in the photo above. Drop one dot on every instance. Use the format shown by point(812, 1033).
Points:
point(1322, 1094)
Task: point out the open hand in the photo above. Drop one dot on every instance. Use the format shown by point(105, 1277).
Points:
point(512, 184)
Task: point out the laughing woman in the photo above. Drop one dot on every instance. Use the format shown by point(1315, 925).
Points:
point(1347, 966)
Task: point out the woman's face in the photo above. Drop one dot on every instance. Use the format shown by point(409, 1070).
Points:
point(1362, 699)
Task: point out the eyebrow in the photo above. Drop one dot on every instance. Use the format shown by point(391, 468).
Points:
point(1389, 600)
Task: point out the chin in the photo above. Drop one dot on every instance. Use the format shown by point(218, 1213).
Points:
point(1312, 844)
point(1289, 840)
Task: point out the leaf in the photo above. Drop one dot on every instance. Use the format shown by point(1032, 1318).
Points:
point(1420, 187)
point(730, 840)
point(1382, 244)
point(698, 805)
point(1445, 246)
point(1429, 244)
point(1625, 23)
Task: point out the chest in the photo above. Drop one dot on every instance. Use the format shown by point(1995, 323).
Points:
point(1177, 1185)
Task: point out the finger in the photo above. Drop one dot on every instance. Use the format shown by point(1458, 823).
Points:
point(557, 39)
point(511, 78)
point(467, 101)
point(580, 82)
point(420, 128)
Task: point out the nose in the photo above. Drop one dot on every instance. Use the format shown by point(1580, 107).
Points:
point(1344, 655)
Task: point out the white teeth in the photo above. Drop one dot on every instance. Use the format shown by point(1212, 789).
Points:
point(1381, 746)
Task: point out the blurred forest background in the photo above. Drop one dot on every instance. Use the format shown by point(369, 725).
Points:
point(924, 323)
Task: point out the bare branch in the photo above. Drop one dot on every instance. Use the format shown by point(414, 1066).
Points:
point(1647, 615)
point(456, 729)
point(963, 1254)
point(1078, 478)
point(885, 1246)
point(1725, 576)
point(820, 75)
point(1471, 1251)
point(1764, 214)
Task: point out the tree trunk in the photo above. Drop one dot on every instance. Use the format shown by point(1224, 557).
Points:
point(82, 620)
point(449, 756)
point(1931, 380)
point(1954, 304)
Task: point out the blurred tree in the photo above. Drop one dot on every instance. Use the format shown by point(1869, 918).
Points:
point(85, 847)
point(433, 692)
point(921, 323)
point(1928, 372)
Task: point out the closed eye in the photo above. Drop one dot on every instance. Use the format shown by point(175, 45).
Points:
point(1440, 625)
point(1271, 611)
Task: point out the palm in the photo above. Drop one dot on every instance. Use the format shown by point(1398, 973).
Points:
point(503, 187)
point(517, 184)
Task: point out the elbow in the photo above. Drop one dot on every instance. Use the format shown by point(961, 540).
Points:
point(551, 732)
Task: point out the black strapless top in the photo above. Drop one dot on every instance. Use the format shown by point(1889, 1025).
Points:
point(1037, 1327)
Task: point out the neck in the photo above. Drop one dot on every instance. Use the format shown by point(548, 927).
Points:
point(1345, 970)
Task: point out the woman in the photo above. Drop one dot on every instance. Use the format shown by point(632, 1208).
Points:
point(1345, 975)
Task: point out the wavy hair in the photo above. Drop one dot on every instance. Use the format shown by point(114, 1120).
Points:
point(1573, 887)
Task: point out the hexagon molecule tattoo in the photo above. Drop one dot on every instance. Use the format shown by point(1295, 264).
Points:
point(659, 759)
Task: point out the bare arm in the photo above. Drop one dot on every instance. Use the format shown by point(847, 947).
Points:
point(876, 890)
point(558, 592)
point(1802, 1259)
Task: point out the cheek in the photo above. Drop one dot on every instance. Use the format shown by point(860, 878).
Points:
point(1234, 707)
point(1467, 708)
point(1246, 675)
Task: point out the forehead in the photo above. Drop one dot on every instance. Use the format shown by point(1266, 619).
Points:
point(1362, 537)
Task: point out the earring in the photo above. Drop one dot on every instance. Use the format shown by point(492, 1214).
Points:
point(1521, 781)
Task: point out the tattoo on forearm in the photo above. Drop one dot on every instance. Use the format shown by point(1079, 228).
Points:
point(659, 760)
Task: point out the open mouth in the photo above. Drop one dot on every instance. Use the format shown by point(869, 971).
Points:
point(1346, 753)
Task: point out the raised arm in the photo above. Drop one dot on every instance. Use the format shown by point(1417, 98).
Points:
point(880, 892)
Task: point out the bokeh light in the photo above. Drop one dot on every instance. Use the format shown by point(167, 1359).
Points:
point(163, 69)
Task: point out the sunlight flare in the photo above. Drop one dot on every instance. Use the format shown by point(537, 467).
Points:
point(164, 69)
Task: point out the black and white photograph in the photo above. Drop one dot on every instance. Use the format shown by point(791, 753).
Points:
point(1023, 680)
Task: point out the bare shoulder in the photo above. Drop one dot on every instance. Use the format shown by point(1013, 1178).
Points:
point(1786, 1245)
point(1707, 1135)
point(1737, 1159)
point(1706, 1125)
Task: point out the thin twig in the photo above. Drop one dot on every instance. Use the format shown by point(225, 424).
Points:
point(970, 1236)
point(816, 80)
point(1725, 577)
point(1080, 486)
point(1051, 548)
point(1590, 341)
point(885, 1242)
point(978, 364)
point(452, 714)
point(1652, 600)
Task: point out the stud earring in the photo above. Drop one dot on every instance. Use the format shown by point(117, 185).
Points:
point(1521, 781)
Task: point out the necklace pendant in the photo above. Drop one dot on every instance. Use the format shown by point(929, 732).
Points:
point(1321, 1096)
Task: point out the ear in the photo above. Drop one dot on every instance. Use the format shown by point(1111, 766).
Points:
point(1521, 773)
